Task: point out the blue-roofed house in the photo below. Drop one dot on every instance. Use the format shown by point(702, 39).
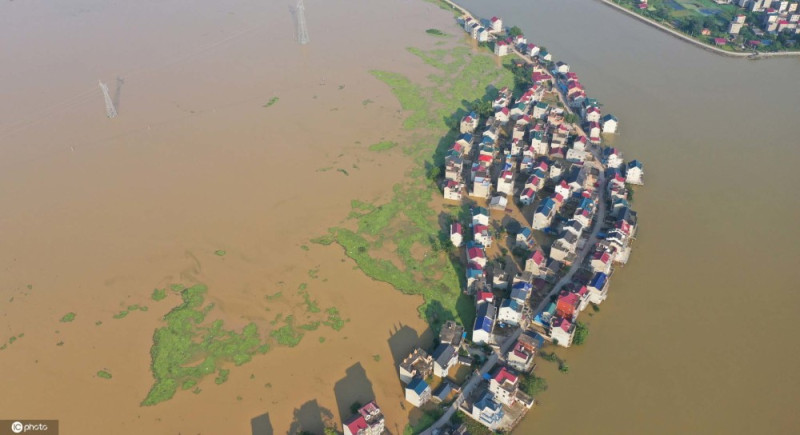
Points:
point(598, 288)
point(634, 172)
point(525, 238)
point(484, 323)
point(609, 123)
point(418, 392)
point(521, 291)
point(487, 411)
point(544, 214)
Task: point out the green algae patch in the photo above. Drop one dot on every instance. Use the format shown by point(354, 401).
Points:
point(334, 320)
point(189, 348)
point(423, 261)
point(222, 377)
point(220, 253)
point(382, 146)
point(272, 101)
point(324, 240)
point(158, 294)
point(67, 318)
point(124, 313)
point(103, 374)
point(436, 32)
point(287, 335)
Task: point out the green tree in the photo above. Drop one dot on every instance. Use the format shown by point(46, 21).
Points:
point(514, 31)
point(482, 107)
point(533, 385)
point(581, 331)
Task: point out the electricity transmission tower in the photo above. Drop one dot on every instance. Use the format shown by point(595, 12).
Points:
point(111, 112)
point(300, 16)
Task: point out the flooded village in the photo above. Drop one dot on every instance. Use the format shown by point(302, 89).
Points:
point(549, 221)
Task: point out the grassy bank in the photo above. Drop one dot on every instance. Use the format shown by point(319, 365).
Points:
point(407, 228)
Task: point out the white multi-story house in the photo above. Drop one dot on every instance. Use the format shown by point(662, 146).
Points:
point(418, 392)
point(503, 385)
point(634, 172)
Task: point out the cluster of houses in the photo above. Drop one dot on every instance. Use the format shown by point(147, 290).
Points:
point(528, 150)
point(778, 16)
point(419, 369)
point(481, 30)
point(541, 150)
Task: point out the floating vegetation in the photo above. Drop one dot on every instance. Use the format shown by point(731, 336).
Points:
point(343, 171)
point(136, 307)
point(324, 240)
point(334, 319)
point(407, 221)
point(272, 101)
point(222, 377)
point(436, 32)
point(220, 253)
point(304, 247)
point(287, 335)
point(68, 317)
point(158, 294)
point(188, 348)
point(382, 146)
point(103, 374)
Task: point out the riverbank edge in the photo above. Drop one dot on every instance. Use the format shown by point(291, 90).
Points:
point(687, 38)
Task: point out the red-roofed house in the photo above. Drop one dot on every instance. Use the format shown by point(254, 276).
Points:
point(502, 115)
point(561, 331)
point(368, 421)
point(456, 234)
point(720, 41)
point(483, 296)
point(567, 304)
point(520, 356)
point(477, 255)
point(527, 196)
point(536, 263)
point(503, 385)
point(602, 259)
point(453, 190)
point(497, 24)
point(501, 48)
point(480, 233)
point(593, 114)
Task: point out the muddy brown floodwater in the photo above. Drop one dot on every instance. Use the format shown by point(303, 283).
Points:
point(95, 213)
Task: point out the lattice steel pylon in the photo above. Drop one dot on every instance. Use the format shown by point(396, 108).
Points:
point(111, 112)
point(300, 16)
